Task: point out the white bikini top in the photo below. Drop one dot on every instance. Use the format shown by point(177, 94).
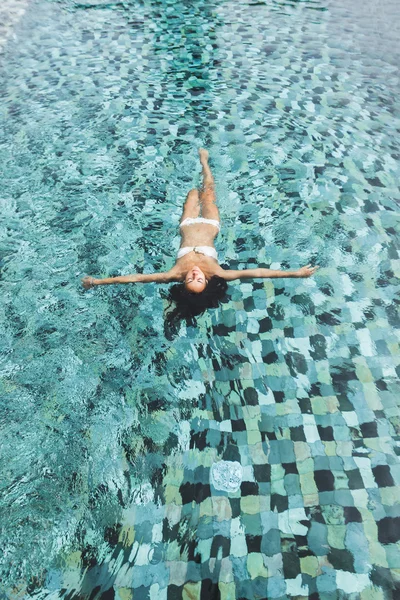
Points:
point(206, 250)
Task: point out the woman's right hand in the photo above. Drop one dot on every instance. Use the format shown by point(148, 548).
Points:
point(88, 282)
point(306, 271)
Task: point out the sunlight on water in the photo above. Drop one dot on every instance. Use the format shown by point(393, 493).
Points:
point(254, 455)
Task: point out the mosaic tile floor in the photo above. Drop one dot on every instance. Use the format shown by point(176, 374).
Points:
point(254, 456)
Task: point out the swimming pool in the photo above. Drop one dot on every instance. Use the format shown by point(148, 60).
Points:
point(256, 455)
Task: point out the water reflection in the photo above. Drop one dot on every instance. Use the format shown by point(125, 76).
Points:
point(111, 431)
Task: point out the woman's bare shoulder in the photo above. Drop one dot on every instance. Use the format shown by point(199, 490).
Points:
point(176, 273)
point(231, 274)
point(221, 272)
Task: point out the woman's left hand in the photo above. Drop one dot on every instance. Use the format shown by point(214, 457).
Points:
point(88, 283)
point(306, 271)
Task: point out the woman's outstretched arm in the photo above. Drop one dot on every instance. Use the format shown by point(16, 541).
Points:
point(260, 273)
point(89, 282)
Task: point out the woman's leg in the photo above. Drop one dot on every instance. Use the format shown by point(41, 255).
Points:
point(191, 208)
point(208, 198)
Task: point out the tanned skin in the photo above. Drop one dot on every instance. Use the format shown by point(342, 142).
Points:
point(194, 270)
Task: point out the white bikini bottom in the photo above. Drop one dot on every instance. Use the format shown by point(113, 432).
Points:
point(206, 250)
point(190, 221)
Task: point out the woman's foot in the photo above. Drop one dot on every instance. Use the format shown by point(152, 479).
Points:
point(203, 156)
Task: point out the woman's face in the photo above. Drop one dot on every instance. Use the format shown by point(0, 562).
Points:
point(195, 280)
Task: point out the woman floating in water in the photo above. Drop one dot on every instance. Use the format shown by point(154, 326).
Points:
point(203, 281)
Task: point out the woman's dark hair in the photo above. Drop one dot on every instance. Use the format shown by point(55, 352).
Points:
point(189, 305)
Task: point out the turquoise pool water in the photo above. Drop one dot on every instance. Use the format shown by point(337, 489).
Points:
point(252, 456)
